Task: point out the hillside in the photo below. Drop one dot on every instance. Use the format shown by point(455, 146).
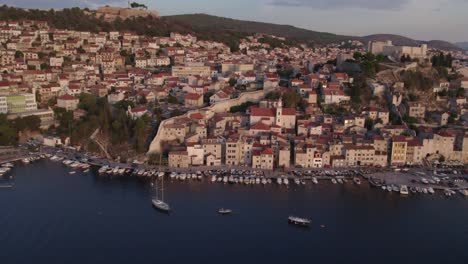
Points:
point(207, 27)
point(401, 40)
point(202, 22)
point(463, 45)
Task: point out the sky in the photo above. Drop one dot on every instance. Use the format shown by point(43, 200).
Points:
point(418, 19)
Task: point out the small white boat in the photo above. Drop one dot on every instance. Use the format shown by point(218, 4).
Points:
point(431, 190)
point(314, 180)
point(72, 172)
point(286, 181)
point(299, 221)
point(340, 181)
point(213, 178)
point(357, 180)
point(224, 211)
point(297, 181)
point(279, 181)
point(404, 190)
point(334, 181)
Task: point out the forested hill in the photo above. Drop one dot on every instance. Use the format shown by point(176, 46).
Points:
point(204, 22)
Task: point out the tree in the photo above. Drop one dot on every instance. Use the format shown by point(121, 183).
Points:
point(80, 50)
point(7, 132)
point(140, 139)
point(273, 96)
point(19, 54)
point(137, 5)
point(206, 97)
point(88, 102)
point(176, 112)
point(232, 82)
point(172, 99)
point(369, 123)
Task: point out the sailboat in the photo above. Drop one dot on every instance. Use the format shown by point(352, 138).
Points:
point(158, 202)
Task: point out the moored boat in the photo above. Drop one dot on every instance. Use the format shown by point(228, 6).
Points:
point(404, 190)
point(357, 180)
point(299, 221)
point(224, 211)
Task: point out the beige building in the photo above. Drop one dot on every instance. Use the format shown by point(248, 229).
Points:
point(284, 156)
point(236, 67)
point(399, 150)
point(267, 159)
point(68, 102)
point(186, 71)
point(178, 159)
point(213, 148)
point(193, 100)
point(359, 155)
point(414, 152)
point(416, 110)
point(233, 152)
point(387, 48)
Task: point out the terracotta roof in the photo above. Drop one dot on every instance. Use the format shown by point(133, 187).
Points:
point(196, 116)
point(260, 126)
point(267, 151)
point(67, 97)
point(255, 111)
point(192, 96)
point(288, 111)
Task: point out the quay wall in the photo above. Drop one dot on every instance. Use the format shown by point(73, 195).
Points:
point(207, 112)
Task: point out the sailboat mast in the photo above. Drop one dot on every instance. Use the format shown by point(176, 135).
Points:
point(162, 180)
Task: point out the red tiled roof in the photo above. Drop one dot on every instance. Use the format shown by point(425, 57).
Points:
point(255, 111)
point(139, 109)
point(260, 126)
point(267, 151)
point(196, 116)
point(192, 96)
point(67, 97)
point(288, 111)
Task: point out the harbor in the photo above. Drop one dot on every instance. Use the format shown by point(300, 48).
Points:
point(47, 204)
point(405, 181)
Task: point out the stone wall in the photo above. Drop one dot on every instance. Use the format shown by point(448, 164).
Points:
point(208, 112)
point(111, 13)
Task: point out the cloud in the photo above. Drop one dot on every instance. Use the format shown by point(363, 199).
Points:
point(336, 4)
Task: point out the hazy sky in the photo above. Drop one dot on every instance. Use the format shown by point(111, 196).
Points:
point(419, 19)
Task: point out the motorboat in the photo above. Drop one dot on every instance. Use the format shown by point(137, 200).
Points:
point(224, 211)
point(299, 221)
point(357, 180)
point(404, 190)
point(279, 181)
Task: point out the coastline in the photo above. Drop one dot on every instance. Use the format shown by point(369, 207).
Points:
point(387, 179)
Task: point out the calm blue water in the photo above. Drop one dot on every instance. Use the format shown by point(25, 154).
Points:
point(53, 217)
